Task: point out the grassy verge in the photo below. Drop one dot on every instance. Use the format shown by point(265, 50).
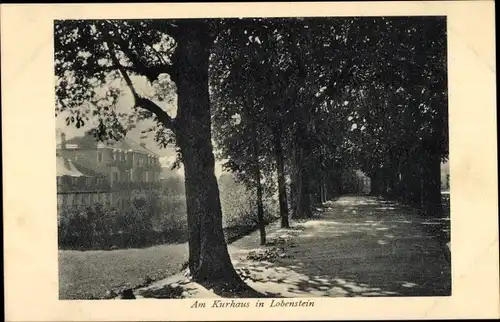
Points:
point(91, 274)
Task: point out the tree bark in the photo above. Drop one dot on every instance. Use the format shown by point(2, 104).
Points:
point(209, 259)
point(280, 164)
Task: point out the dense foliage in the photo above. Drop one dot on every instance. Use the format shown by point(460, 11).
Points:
point(338, 94)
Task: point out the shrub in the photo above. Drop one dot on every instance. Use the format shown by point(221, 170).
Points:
point(156, 218)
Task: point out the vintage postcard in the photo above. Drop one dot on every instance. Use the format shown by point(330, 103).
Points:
point(250, 161)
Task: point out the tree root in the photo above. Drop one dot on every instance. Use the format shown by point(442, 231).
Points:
point(232, 289)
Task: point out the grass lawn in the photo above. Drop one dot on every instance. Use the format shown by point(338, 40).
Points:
point(89, 274)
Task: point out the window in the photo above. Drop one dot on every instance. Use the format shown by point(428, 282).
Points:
point(59, 180)
point(99, 156)
point(146, 176)
point(114, 156)
point(132, 175)
point(115, 177)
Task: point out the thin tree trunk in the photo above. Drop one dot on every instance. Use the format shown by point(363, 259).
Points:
point(280, 164)
point(293, 190)
point(302, 207)
point(260, 207)
point(322, 190)
point(375, 183)
point(406, 183)
point(209, 259)
point(432, 184)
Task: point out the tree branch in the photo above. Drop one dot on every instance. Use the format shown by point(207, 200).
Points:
point(151, 73)
point(139, 101)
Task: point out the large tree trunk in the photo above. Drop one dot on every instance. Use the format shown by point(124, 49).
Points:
point(280, 164)
point(302, 192)
point(412, 179)
point(209, 259)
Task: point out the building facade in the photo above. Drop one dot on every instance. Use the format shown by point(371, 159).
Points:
point(113, 174)
point(78, 186)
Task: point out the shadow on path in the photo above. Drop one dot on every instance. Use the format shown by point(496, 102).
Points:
point(355, 246)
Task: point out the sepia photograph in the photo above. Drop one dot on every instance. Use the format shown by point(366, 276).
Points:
point(252, 157)
point(250, 161)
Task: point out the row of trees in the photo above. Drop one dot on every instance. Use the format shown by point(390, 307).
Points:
point(290, 103)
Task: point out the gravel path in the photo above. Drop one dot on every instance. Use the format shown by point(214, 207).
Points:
point(355, 246)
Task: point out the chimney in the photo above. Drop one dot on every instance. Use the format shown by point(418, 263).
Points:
point(63, 141)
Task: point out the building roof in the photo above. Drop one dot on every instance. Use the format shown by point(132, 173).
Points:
point(68, 167)
point(129, 144)
point(88, 142)
point(65, 167)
